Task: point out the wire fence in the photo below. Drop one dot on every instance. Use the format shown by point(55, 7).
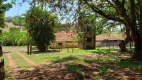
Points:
point(114, 44)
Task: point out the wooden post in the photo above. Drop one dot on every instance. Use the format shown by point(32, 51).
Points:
point(109, 44)
point(130, 46)
point(67, 49)
point(28, 49)
point(2, 73)
point(59, 48)
point(113, 44)
point(72, 48)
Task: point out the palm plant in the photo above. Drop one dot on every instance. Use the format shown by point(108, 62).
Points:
point(40, 25)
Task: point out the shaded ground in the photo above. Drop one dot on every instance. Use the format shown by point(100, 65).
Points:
point(72, 68)
point(76, 66)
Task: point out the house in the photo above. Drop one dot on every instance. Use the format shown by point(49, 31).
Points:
point(105, 41)
point(65, 40)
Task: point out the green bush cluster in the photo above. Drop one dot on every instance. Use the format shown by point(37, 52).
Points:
point(14, 38)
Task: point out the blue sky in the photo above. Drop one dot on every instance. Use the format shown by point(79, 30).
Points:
point(17, 10)
point(14, 10)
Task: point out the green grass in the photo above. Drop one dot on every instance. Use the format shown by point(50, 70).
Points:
point(130, 64)
point(65, 59)
point(105, 70)
point(103, 50)
point(76, 69)
point(102, 60)
point(43, 57)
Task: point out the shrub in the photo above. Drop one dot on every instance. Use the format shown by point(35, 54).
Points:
point(14, 37)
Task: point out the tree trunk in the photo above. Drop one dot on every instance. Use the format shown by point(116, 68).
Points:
point(138, 48)
point(42, 48)
point(94, 41)
point(123, 43)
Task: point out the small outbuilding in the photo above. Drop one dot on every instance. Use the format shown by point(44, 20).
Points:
point(65, 40)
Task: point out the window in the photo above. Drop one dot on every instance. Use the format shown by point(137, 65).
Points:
point(60, 44)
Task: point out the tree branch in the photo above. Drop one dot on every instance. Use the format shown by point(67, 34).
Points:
point(100, 12)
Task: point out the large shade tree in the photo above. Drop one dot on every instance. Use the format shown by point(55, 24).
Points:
point(127, 12)
point(40, 24)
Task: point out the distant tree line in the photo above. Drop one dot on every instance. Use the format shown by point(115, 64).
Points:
point(16, 20)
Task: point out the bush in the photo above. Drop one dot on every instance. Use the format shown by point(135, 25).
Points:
point(14, 37)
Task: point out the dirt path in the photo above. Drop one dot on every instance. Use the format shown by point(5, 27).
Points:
point(12, 63)
point(26, 59)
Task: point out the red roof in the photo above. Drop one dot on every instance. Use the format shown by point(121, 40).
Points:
point(68, 36)
point(64, 36)
point(99, 37)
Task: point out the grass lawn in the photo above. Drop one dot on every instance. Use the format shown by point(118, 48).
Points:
point(43, 57)
point(77, 61)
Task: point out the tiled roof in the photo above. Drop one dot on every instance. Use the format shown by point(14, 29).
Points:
point(68, 36)
point(99, 37)
point(65, 36)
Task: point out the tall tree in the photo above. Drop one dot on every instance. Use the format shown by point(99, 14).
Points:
point(40, 24)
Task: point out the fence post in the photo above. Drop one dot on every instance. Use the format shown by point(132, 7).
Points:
point(108, 44)
point(67, 49)
point(113, 43)
point(28, 49)
point(130, 46)
point(72, 48)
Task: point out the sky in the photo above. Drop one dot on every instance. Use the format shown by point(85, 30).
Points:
point(16, 9)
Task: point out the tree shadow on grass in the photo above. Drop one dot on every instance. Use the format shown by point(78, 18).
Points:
point(65, 59)
point(6, 52)
point(38, 52)
point(45, 72)
point(104, 50)
point(130, 64)
point(48, 51)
